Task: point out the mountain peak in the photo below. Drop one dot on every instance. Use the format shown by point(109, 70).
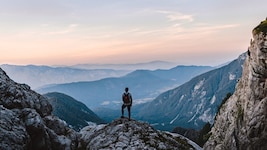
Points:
point(125, 134)
point(262, 27)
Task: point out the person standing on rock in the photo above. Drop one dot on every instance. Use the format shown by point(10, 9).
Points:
point(127, 102)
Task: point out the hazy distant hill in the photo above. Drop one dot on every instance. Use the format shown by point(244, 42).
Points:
point(153, 65)
point(75, 113)
point(143, 84)
point(37, 76)
point(194, 103)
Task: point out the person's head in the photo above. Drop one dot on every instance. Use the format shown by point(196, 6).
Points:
point(126, 89)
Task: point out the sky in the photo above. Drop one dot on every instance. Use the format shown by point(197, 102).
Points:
point(68, 32)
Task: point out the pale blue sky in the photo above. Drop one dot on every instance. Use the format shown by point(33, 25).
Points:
point(65, 32)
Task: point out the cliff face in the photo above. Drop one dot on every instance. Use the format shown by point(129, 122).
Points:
point(241, 123)
point(26, 121)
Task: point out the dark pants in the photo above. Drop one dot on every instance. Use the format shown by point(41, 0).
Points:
point(129, 110)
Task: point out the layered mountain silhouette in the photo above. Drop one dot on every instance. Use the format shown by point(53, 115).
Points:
point(76, 114)
point(37, 76)
point(144, 85)
point(153, 65)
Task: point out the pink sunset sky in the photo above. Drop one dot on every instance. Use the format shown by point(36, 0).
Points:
point(68, 32)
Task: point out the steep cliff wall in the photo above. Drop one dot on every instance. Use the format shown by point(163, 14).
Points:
point(241, 123)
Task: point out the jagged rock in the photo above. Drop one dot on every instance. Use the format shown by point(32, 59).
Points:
point(13, 131)
point(241, 122)
point(124, 134)
point(14, 95)
point(26, 122)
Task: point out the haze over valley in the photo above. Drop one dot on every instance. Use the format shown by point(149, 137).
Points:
point(101, 89)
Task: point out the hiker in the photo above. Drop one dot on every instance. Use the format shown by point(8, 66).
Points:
point(127, 102)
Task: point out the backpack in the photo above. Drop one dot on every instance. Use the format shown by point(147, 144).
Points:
point(126, 98)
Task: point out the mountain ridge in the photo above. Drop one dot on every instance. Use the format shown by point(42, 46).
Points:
point(143, 84)
point(195, 102)
point(38, 76)
point(152, 65)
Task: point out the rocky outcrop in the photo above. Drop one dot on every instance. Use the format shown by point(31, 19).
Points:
point(26, 121)
point(124, 134)
point(241, 121)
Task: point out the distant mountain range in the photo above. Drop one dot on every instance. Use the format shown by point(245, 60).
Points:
point(153, 65)
point(194, 103)
point(37, 76)
point(143, 84)
point(75, 113)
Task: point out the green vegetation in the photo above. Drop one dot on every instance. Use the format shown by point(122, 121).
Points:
point(223, 101)
point(262, 27)
point(204, 134)
point(184, 144)
point(76, 114)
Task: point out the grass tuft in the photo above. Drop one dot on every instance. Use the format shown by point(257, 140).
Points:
point(262, 27)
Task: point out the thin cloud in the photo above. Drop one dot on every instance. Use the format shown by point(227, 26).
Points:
point(177, 16)
point(69, 29)
point(216, 27)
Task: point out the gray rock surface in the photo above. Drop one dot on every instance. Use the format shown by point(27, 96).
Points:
point(26, 121)
point(124, 134)
point(241, 123)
